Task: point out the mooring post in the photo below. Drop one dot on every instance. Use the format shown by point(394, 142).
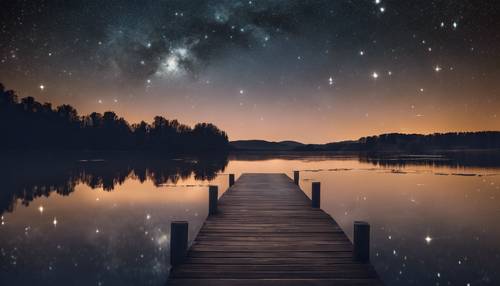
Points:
point(296, 177)
point(361, 246)
point(213, 196)
point(316, 195)
point(231, 180)
point(178, 242)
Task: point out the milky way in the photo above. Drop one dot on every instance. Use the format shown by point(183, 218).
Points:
point(343, 68)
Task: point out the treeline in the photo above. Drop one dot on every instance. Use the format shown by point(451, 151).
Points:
point(415, 143)
point(27, 124)
point(437, 141)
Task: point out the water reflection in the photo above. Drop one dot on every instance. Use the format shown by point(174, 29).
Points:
point(24, 180)
point(98, 222)
point(106, 222)
point(478, 159)
point(433, 218)
point(426, 229)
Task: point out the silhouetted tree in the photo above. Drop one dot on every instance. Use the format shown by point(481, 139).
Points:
point(29, 124)
point(416, 143)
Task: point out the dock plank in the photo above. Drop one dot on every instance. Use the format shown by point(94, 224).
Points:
point(266, 233)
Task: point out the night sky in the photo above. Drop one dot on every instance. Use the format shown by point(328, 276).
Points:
point(313, 71)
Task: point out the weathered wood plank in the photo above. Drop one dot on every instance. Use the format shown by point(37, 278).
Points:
point(267, 254)
point(276, 282)
point(266, 233)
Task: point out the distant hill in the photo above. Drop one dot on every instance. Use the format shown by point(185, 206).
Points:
point(394, 142)
point(262, 145)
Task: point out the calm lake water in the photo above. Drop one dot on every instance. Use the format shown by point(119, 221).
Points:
point(93, 221)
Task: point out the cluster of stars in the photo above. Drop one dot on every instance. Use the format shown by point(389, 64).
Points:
point(382, 8)
point(223, 30)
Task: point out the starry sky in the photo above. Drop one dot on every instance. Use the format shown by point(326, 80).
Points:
point(313, 71)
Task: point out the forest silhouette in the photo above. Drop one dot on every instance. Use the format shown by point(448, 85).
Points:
point(26, 124)
point(415, 143)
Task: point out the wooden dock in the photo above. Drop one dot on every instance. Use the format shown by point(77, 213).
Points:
point(266, 232)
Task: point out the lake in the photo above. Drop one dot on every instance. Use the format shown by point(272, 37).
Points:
point(94, 220)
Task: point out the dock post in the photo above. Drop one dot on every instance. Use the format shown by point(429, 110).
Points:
point(213, 196)
point(316, 195)
point(231, 180)
point(178, 242)
point(296, 177)
point(361, 245)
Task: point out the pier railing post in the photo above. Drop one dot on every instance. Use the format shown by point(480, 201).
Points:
point(213, 196)
point(361, 245)
point(178, 242)
point(231, 180)
point(296, 175)
point(316, 195)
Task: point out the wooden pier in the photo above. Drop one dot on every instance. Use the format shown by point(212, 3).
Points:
point(265, 231)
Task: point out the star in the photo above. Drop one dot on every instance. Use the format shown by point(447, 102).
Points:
point(375, 75)
point(428, 239)
point(42, 87)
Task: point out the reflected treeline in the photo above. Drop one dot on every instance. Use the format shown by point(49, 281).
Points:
point(480, 159)
point(28, 179)
point(289, 155)
point(449, 159)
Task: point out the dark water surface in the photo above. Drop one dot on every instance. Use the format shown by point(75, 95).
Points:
point(95, 221)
